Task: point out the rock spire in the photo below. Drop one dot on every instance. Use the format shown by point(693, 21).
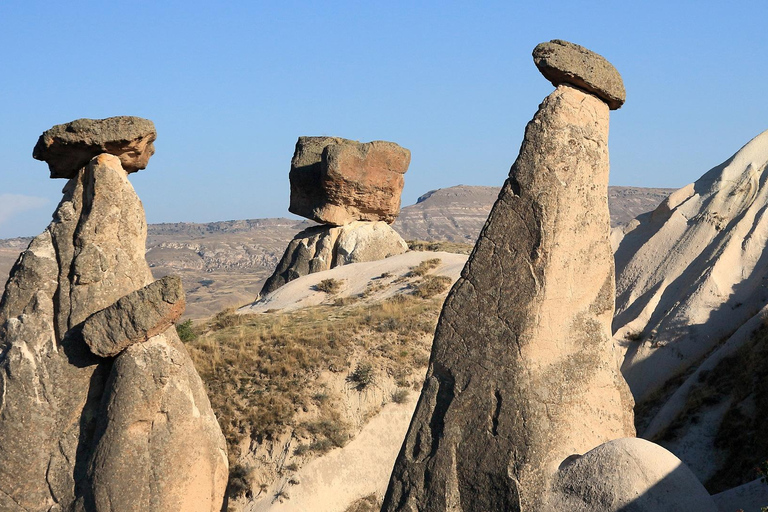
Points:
point(79, 430)
point(522, 373)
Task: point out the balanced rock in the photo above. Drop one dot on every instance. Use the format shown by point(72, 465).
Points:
point(522, 372)
point(67, 148)
point(628, 475)
point(135, 317)
point(562, 62)
point(63, 409)
point(337, 181)
point(324, 247)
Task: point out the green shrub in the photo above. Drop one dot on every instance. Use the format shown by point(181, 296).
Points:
point(362, 377)
point(186, 331)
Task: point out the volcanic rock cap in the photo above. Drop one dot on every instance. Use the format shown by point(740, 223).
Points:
point(562, 62)
point(79, 431)
point(67, 148)
point(522, 373)
point(337, 181)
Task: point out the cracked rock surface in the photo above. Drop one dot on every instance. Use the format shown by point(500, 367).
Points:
point(522, 373)
point(59, 403)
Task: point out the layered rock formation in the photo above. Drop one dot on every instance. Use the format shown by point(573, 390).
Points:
point(354, 190)
point(83, 432)
point(690, 319)
point(522, 373)
point(337, 181)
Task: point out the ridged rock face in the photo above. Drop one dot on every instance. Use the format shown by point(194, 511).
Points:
point(324, 247)
point(51, 385)
point(522, 373)
point(67, 148)
point(691, 303)
point(338, 181)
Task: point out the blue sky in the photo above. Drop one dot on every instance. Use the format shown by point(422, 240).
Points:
point(231, 85)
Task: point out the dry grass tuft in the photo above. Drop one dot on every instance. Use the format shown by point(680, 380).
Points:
point(425, 266)
point(445, 246)
point(330, 286)
point(430, 285)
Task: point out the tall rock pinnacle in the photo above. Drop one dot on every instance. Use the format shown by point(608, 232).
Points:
point(522, 373)
point(83, 432)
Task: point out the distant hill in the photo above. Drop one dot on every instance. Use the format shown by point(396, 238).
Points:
point(224, 264)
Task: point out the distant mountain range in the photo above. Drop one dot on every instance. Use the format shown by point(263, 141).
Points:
point(224, 264)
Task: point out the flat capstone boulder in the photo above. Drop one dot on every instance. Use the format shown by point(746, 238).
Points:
point(69, 147)
point(562, 62)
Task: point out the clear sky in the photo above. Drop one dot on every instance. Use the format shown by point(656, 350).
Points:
point(231, 85)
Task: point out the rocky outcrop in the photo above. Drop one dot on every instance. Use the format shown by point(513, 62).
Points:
point(64, 409)
point(522, 373)
point(690, 319)
point(324, 247)
point(67, 148)
point(135, 318)
point(337, 181)
point(562, 62)
point(628, 475)
point(343, 183)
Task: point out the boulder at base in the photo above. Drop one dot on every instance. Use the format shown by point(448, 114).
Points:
point(629, 475)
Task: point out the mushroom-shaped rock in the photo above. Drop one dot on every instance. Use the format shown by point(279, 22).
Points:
point(67, 148)
point(628, 475)
point(135, 317)
point(563, 62)
point(338, 181)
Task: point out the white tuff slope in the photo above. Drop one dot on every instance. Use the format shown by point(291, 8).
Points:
point(692, 271)
point(690, 308)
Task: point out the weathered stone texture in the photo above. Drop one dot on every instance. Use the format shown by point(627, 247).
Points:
point(135, 318)
point(157, 446)
point(629, 475)
point(562, 62)
point(522, 373)
point(324, 247)
point(337, 181)
point(67, 148)
point(90, 255)
point(54, 391)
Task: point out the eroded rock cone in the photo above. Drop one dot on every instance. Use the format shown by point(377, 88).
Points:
point(324, 247)
point(338, 181)
point(73, 425)
point(522, 372)
point(67, 148)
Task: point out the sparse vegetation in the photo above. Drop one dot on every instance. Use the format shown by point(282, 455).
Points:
point(455, 247)
point(330, 286)
point(362, 377)
point(370, 503)
point(425, 266)
point(431, 285)
point(400, 395)
point(261, 370)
